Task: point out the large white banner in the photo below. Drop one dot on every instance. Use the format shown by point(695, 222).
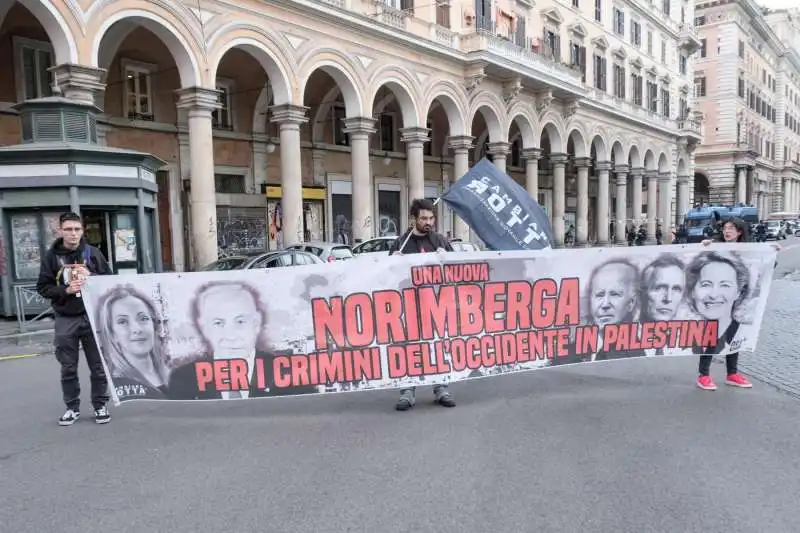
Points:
point(386, 322)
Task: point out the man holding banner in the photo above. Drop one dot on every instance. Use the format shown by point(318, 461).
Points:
point(419, 239)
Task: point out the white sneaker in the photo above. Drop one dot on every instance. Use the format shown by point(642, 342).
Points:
point(69, 417)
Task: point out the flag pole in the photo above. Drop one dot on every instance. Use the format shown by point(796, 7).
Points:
point(408, 237)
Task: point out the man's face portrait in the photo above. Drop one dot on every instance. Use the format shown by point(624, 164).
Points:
point(613, 294)
point(665, 292)
point(71, 231)
point(230, 321)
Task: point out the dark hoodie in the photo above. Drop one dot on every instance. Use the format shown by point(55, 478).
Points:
point(51, 284)
point(429, 242)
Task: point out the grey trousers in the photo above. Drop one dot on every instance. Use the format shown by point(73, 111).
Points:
point(70, 331)
point(438, 390)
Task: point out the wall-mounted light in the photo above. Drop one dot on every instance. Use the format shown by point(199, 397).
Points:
point(270, 147)
point(387, 160)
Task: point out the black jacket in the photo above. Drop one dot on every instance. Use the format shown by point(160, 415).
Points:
point(51, 284)
point(430, 242)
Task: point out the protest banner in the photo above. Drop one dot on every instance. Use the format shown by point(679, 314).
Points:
point(499, 210)
point(396, 321)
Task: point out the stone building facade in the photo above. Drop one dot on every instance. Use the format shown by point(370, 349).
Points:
point(320, 119)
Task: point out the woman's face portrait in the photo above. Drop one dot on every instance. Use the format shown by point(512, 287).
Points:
point(133, 327)
point(730, 232)
point(716, 291)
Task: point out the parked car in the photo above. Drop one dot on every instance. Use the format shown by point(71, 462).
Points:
point(775, 230)
point(378, 245)
point(327, 251)
point(274, 259)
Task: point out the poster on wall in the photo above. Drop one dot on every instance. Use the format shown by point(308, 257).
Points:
point(125, 245)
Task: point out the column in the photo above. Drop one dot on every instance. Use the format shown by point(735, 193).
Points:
point(652, 205)
point(199, 103)
point(318, 158)
point(531, 157)
point(622, 203)
point(683, 195)
point(636, 193)
point(289, 118)
point(787, 195)
point(602, 168)
point(559, 197)
point(79, 83)
point(582, 229)
point(741, 184)
point(461, 146)
point(359, 129)
point(795, 195)
point(665, 209)
point(415, 139)
point(499, 152)
point(259, 165)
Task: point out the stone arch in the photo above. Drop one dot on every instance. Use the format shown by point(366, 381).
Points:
point(490, 107)
point(577, 135)
point(257, 42)
point(682, 167)
point(618, 153)
point(649, 160)
point(663, 163)
point(342, 70)
point(448, 96)
point(600, 147)
point(405, 91)
point(557, 144)
point(557, 126)
point(525, 121)
point(634, 157)
point(60, 30)
point(167, 25)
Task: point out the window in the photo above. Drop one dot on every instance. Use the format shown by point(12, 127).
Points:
point(700, 87)
point(32, 61)
point(222, 117)
point(521, 33)
point(340, 138)
point(619, 21)
point(599, 72)
point(741, 49)
point(598, 10)
point(138, 91)
point(663, 51)
point(741, 86)
point(552, 43)
point(283, 260)
point(637, 88)
point(682, 64)
point(229, 184)
point(649, 42)
point(665, 102)
point(703, 47)
point(577, 58)
point(619, 81)
point(636, 33)
point(652, 97)
point(576, 4)
point(665, 6)
point(443, 13)
point(700, 21)
point(683, 108)
point(387, 131)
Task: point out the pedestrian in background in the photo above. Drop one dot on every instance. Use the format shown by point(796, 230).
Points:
point(64, 269)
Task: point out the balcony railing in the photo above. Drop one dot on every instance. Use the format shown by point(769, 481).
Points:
point(689, 38)
point(390, 15)
point(485, 37)
point(629, 108)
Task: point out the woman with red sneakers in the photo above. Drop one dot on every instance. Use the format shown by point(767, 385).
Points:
point(717, 285)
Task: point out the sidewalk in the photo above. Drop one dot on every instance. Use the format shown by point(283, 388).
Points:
point(37, 340)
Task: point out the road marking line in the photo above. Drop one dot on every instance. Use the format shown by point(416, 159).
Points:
point(24, 356)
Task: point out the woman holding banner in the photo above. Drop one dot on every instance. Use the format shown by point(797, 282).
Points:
point(717, 286)
point(131, 344)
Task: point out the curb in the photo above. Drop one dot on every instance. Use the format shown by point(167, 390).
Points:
point(15, 357)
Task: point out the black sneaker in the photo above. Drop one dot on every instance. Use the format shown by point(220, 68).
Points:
point(445, 399)
point(406, 401)
point(69, 417)
point(101, 415)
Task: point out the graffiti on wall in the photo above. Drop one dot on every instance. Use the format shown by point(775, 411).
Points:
point(241, 231)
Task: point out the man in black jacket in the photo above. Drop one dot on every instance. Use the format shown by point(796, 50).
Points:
point(422, 239)
point(63, 270)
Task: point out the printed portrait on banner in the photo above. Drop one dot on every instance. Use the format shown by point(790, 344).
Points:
point(386, 322)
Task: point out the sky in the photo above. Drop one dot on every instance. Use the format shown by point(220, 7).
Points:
point(778, 4)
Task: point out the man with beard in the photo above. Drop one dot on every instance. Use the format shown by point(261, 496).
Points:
point(421, 238)
point(662, 292)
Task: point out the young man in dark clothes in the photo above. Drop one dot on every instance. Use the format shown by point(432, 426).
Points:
point(422, 240)
point(62, 273)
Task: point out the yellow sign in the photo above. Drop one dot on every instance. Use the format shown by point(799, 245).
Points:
point(309, 193)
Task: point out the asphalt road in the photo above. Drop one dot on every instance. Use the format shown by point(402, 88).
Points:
point(627, 446)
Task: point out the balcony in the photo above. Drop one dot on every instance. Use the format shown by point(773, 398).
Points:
point(500, 47)
point(626, 108)
point(688, 38)
point(691, 128)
